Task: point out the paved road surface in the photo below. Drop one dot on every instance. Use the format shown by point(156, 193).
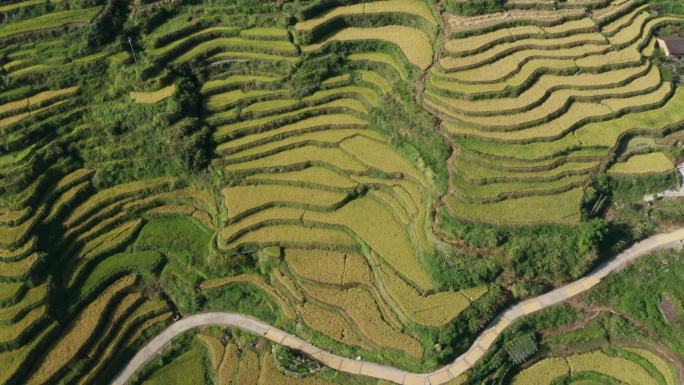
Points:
point(673, 240)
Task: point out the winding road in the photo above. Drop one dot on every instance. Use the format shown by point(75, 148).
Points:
point(672, 240)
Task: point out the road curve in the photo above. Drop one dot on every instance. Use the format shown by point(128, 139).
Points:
point(673, 240)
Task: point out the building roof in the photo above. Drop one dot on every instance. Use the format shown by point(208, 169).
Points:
point(675, 45)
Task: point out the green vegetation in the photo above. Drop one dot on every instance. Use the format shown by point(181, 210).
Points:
point(474, 7)
point(625, 329)
point(380, 178)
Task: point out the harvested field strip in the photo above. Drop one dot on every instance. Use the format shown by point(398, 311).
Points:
point(19, 117)
point(11, 293)
point(659, 363)
point(194, 38)
point(11, 360)
point(142, 315)
point(360, 307)
point(124, 307)
point(543, 372)
point(620, 23)
point(333, 325)
point(198, 199)
point(282, 282)
point(413, 42)
point(79, 333)
point(380, 58)
point(630, 32)
point(110, 240)
point(73, 178)
point(230, 98)
point(492, 192)
point(14, 254)
point(464, 85)
point(252, 56)
point(21, 4)
point(30, 300)
point(214, 347)
point(236, 81)
point(268, 47)
point(37, 99)
point(381, 156)
point(480, 42)
point(240, 200)
point(517, 74)
point(337, 81)
point(367, 95)
point(555, 105)
point(478, 172)
point(9, 216)
point(324, 139)
point(522, 46)
point(341, 105)
point(254, 280)
point(313, 174)
point(411, 7)
point(229, 364)
point(653, 163)
point(269, 106)
point(393, 204)
point(604, 134)
point(49, 21)
point(154, 96)
point(507, 66)
point(329, 267)
point(296, 235)
point(116, 193)
point(619, 368)
point(329, 157)
point(65, 200)
point(575, 115)
point(544, 87)
point(371, 221)
point(147, 327)
point(248, 372)
point(12, 333)
point(434, 310)
point(19, 270)
point(261, 218)
point(613, 10)
point(105, 220)
point(266, 33)
point(11, 237)
point(245, 136)
point(468, 25)
point(376, 80)
point(559, 208)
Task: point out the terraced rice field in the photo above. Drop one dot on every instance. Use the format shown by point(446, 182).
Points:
point(534, 95)
point(313, 179)
point(641, 367)
point(298, 199)
point(653, 163)
point(236, 362)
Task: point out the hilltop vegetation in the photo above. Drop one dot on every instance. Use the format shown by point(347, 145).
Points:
point(380, 178)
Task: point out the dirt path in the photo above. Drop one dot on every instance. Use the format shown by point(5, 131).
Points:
point(673, 240)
